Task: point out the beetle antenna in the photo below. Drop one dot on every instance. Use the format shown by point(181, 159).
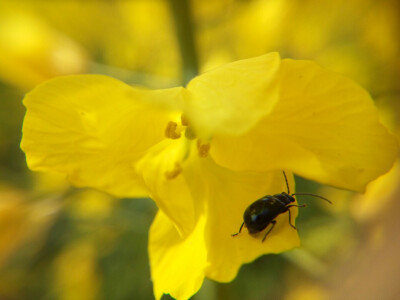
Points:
point(287, 184)
point(318, 196)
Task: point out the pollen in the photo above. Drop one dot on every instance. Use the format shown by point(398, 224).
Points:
point(170, 131)
point(174, 172)
point(203, 149)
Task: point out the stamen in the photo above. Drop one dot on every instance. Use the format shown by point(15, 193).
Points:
point(189, 133)
point(184, 120)
point(174, 173)
point(170, 131)
point(203, 149)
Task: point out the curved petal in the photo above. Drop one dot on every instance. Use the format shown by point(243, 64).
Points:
point(177, 265)
point(234, 97)
point(209, 249)
point(163, 170)
point(93, 128)
point(324, 127)
point(229, 194)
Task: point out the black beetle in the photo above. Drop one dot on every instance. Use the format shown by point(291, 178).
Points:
point(263, 211)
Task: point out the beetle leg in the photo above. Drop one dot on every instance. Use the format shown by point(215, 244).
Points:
point(269, 230)
point(290, 217)
point(240, 230)
point(290, 220)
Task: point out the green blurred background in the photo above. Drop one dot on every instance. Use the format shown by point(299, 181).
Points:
point(58, 242)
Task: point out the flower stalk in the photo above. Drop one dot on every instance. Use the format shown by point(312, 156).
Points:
point(184, 31)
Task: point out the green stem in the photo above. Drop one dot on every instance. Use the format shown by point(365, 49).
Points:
point(185, 33)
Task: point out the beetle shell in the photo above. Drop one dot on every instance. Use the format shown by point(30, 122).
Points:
point(261, 212)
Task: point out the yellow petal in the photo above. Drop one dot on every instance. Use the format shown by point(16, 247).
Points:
point(94, 128)
point(229, 194)
point(31, 51)
point(163, 171)
point(232, 98)
point(177, 265)
point(324, 127)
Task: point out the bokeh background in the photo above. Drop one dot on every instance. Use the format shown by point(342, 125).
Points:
point(59, 242)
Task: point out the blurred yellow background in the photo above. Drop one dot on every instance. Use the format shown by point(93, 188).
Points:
point(59, 242)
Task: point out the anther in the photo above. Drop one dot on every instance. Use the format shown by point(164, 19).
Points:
point(170, 131)
point(174, 173)
point(189, 133)
point(184, 120)
point(203, 149)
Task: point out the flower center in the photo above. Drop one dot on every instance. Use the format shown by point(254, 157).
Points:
point(181, 128)
point(174, 130)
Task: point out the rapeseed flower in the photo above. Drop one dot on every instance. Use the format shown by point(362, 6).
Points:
point(31, 51)
point(203, 153)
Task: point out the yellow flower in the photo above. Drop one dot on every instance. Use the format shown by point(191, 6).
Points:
point(31, 51)
point(205, 152)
